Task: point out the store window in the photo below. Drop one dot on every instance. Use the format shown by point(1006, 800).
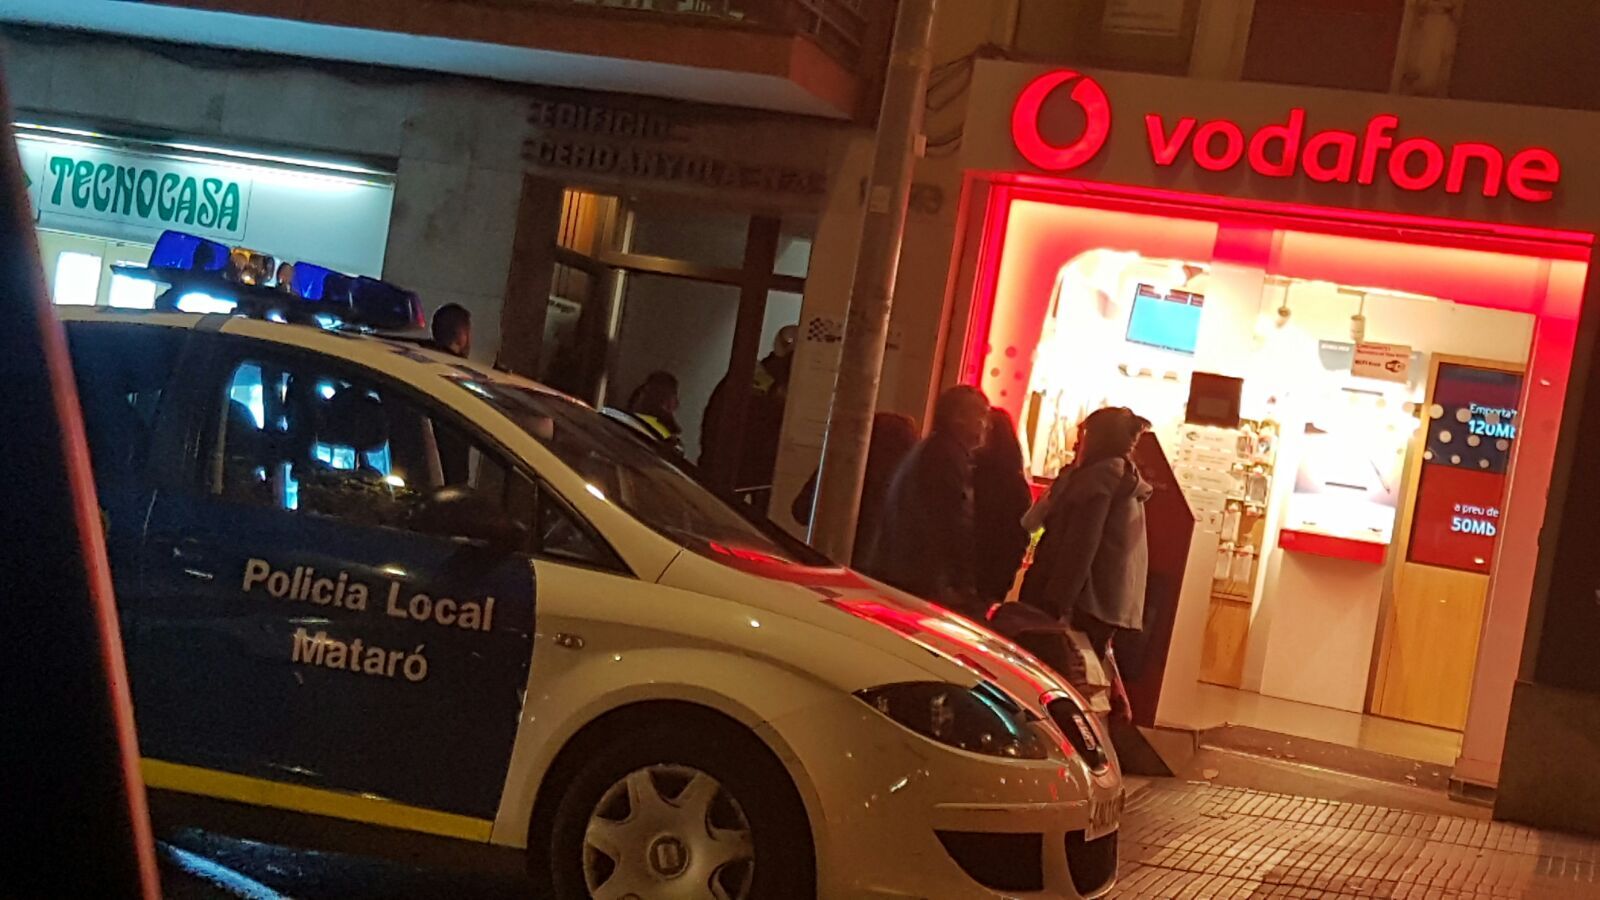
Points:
point(1136, 35)
point(1340, 412)
point(330, 212)
point(131, 293)
point(1309, 42)
point(77, 279)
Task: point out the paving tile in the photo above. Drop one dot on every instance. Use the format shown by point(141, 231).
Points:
point(1198, 841)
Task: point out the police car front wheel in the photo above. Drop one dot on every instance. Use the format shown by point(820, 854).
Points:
point(679, 815)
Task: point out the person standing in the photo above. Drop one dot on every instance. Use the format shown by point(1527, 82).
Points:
point(763, 422)
point(655, 403)
point(452, 330)
point(1090, 567)
point(893, 436)
point(452, 334)
point(926, 535)
point(1001, 497)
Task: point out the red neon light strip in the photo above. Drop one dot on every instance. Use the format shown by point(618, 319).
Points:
point(997, 218)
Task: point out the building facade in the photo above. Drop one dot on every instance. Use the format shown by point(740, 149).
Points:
point(610, 191)
point(1375, 266)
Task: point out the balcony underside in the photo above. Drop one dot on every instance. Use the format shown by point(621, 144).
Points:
point(685, 58)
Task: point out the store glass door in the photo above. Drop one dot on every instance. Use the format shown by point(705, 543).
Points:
point(682, 328)
point(710, 297)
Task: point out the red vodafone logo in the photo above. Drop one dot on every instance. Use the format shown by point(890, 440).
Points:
point(1380, 151)
point(1025, 120)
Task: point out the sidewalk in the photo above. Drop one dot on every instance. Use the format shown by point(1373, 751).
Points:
point(1181, 840)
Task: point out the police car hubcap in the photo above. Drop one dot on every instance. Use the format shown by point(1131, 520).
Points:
point(668, 832)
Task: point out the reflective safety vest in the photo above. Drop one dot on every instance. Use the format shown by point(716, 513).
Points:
point(656, 425)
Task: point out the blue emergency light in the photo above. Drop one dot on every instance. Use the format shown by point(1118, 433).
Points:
point(194, 267)
point(176, 251)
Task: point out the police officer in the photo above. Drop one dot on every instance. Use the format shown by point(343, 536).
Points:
point(655, 403)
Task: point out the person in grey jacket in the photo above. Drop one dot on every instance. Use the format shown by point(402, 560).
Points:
point(1090, 566)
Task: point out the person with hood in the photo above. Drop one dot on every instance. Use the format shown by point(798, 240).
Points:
point(893, 436)
point(1090, 567)
point(926, 536)
point(1001, 497)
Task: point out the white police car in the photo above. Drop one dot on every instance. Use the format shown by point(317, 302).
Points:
point(360, 582)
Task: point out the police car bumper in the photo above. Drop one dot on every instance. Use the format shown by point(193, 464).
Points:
point(899, 816)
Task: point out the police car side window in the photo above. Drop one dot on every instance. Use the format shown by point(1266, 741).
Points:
point(562, 535)
point(121, 372)
point(301, 437)
point(555, 530)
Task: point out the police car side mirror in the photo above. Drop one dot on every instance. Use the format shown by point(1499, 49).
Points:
point(464, 514)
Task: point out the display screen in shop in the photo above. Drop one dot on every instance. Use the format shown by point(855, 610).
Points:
point(1168, 320)
point(1471, 427)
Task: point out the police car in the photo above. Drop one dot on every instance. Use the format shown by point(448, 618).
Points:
point(368, 585)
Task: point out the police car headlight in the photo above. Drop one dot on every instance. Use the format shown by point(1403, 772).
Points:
point(981, 719)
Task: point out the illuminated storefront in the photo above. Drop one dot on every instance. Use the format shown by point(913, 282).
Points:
point(1352, 320)
point(100, 200)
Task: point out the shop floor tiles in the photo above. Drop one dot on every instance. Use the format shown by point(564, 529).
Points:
point(1215, 706)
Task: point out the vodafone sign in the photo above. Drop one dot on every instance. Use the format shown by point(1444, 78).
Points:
point(1287, 149)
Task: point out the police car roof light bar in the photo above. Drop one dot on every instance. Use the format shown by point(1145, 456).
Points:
point(181, 252)
point(314, 295)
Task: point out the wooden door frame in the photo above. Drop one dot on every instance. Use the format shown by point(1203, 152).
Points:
point(1377, 671)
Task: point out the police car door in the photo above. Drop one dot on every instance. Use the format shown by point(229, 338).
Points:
point(309, 623)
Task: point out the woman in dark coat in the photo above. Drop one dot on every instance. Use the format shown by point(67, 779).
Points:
point(893, 436)
point(1090, 567)
point(1000, 498)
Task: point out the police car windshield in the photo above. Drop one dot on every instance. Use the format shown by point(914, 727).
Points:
point(623, 469)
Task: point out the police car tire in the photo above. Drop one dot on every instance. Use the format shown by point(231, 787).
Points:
point(785, 866)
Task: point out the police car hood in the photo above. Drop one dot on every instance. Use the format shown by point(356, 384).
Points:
point(872, 616)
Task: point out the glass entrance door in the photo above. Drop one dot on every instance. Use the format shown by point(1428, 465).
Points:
point(701, 295)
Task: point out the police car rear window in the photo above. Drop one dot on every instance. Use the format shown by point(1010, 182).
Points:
point(621, 469)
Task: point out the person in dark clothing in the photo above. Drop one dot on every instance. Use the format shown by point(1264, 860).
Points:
point(452, 330)
point(1090, 567)
point(893, 436)
point(925, 541)
point(655, 403)
point(1001, 497)
point(452, 334)
point(763, 421)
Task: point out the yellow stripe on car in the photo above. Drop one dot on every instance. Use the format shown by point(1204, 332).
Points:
point(315, 801)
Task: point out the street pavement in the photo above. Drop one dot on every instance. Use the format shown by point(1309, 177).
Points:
point(1179, 839)
point(1182, 840)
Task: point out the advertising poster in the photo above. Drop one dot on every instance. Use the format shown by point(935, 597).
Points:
point(1472, 428)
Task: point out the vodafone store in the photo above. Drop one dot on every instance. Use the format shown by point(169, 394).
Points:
point(1354, 321)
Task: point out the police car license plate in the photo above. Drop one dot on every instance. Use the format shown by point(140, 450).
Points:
point(1104, 815)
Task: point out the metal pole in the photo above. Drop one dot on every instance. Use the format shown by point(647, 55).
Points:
point(855, 392)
